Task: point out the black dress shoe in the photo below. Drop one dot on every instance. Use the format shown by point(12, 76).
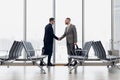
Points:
point(67, 64)
point(50, 64)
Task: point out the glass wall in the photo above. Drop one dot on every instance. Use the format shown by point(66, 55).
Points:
point(116, 24)
point(38, 14)
point(11, 23)
point(72, 9)
point(98, 21)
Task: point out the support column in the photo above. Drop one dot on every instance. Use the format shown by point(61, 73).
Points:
point(54, 15)
point(112, 24)
point(83, 22)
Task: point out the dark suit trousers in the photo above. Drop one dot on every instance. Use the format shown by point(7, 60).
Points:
point(48, 50)
point(70, 50)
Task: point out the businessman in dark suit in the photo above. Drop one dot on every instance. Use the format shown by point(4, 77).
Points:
point(48, 40)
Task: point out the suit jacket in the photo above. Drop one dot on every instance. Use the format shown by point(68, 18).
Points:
point(48, 39)
point(49, 34)
point(70, 34)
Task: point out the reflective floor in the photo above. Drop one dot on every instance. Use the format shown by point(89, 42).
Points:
point(58, 73)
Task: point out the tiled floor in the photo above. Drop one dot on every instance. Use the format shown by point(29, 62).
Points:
point(58, 73)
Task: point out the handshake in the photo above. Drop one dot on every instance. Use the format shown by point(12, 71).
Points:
point(59, 39)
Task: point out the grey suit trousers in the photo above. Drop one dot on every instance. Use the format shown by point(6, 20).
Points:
point(70, 50)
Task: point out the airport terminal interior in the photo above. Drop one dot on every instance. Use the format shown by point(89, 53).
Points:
point(22, 29)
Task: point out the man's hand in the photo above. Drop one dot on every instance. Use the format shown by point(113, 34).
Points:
point(75, 43)
point(59, 39)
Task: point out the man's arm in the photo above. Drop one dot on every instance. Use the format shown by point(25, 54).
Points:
point(63, 35)
point(74, 34)
point(52, 33)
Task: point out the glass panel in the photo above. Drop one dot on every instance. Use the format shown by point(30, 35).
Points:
point(72, 9)
point(38, 14)
point(98, 21)
point(116, 24)
point(11, 23)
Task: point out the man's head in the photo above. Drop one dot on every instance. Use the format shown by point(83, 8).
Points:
point(52, 20)
point(67, 21)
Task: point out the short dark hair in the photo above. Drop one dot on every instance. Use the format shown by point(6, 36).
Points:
point(51, 19)
point(68, 19)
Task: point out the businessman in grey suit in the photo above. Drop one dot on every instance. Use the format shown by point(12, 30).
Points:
point(71, 38)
